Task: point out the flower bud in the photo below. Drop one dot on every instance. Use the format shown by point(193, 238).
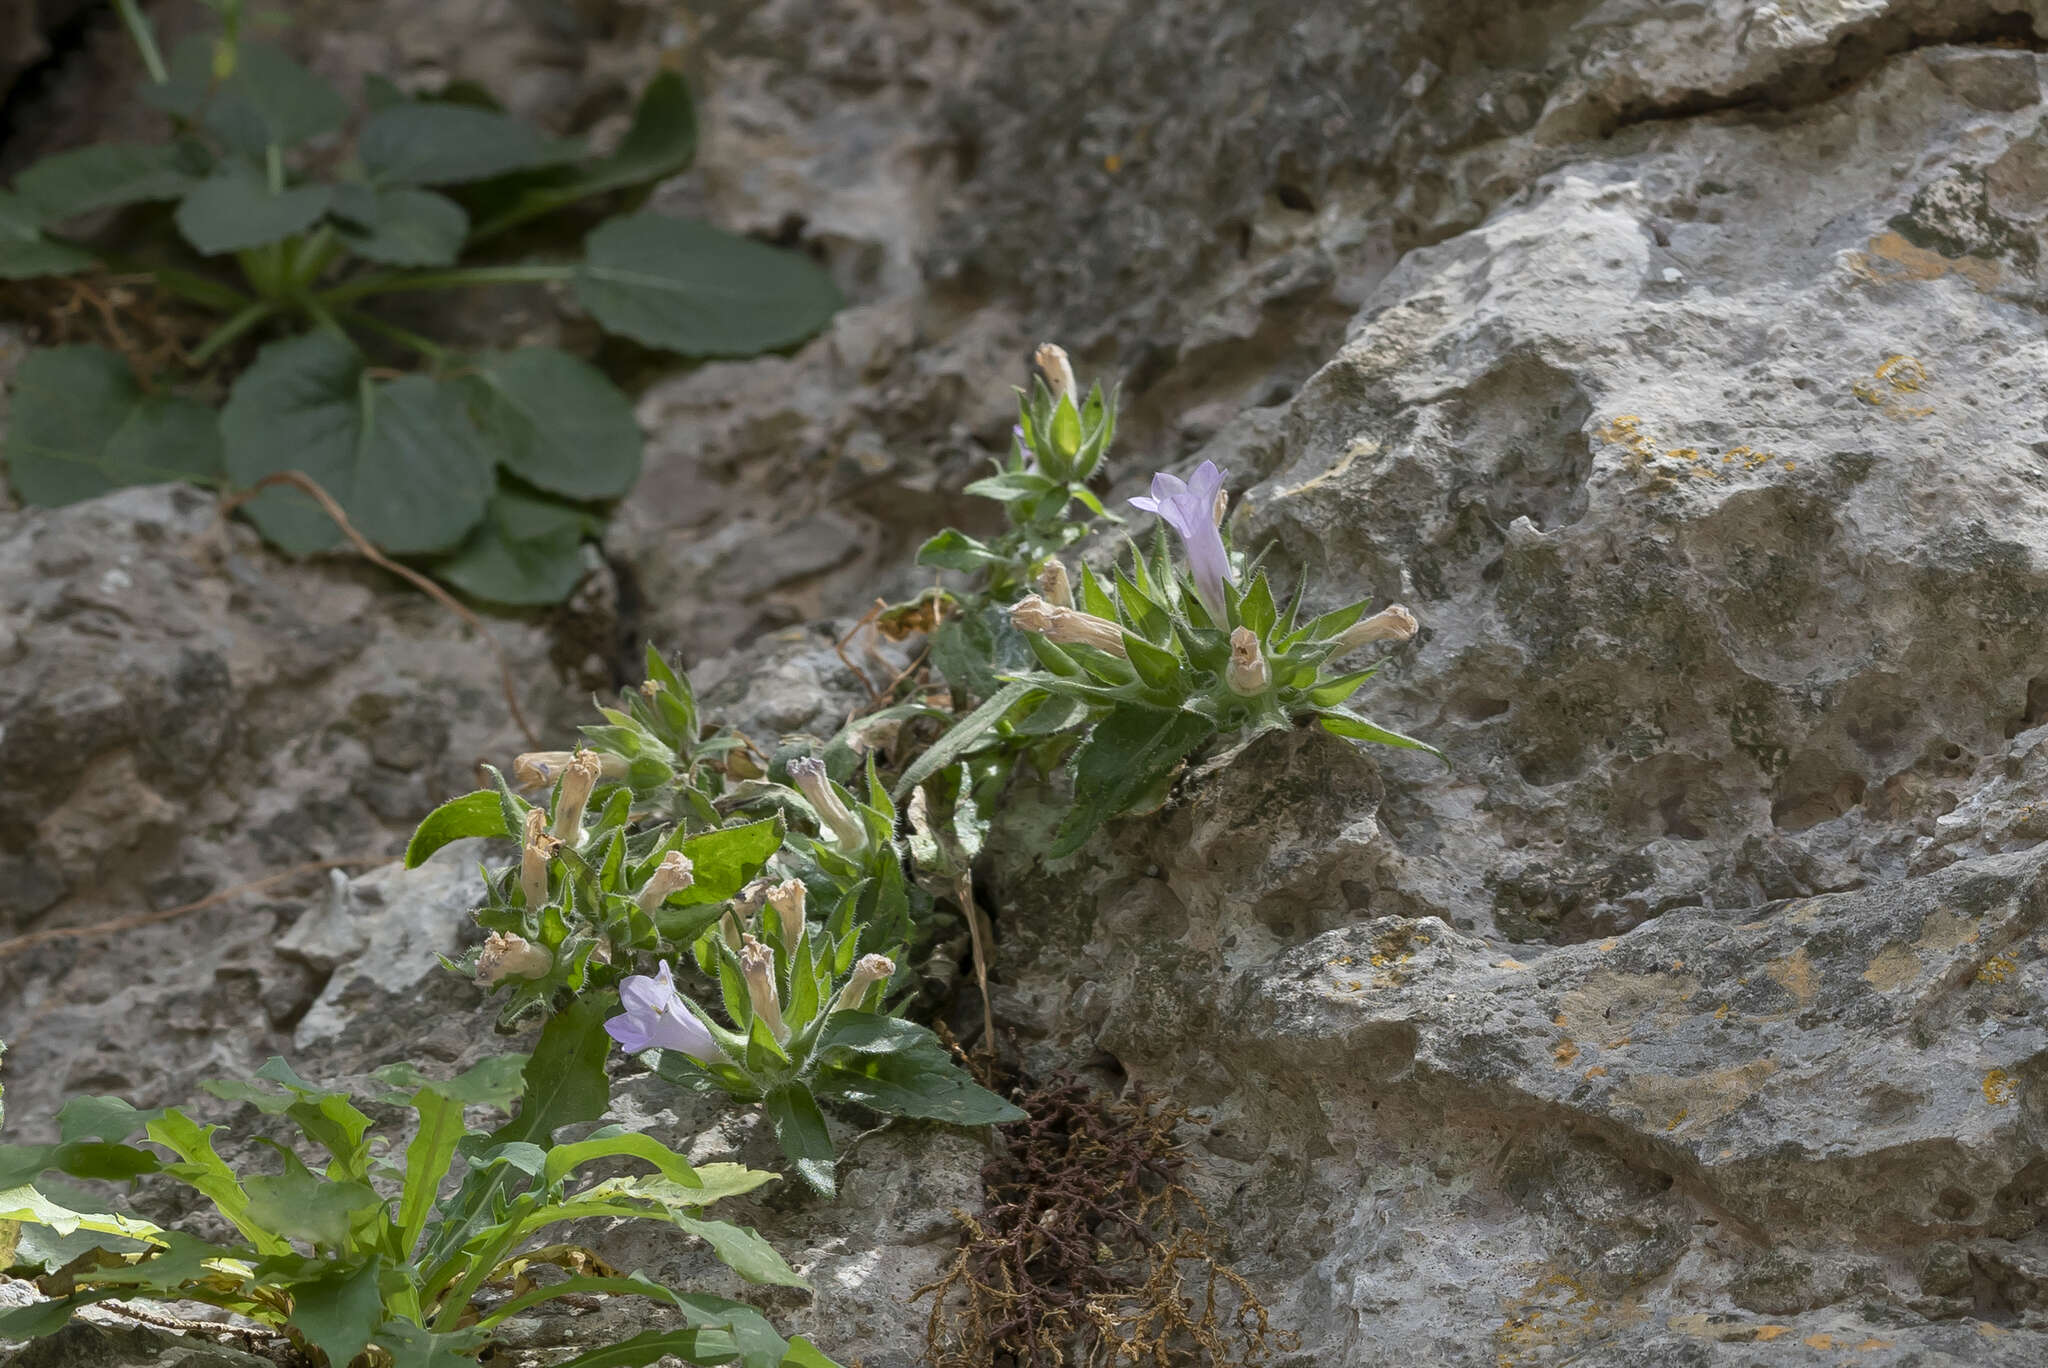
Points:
point(672, 875)
point(1389, 624)
point(757, 965)
point(1246, 673)
point(577, 782)
point(787, 898)
point(1067, 626)
point(1218, 509)
point(871, 969)
point(1058, 371)
point(506, 957)
point(535, 852)
point(1053, 584)
point(538, 769)
point(729, 928)
point(810, 776)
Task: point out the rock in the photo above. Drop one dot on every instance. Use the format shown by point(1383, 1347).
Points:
point(110, 1343)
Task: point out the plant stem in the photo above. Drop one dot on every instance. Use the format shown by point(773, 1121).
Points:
point(460, 278)
point(426, 347)
point(144, 36)
point(183, 284)
point(227, 332)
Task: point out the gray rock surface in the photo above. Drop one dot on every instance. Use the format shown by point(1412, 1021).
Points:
point(1677, 364)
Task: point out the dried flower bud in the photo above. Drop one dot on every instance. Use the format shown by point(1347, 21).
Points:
point(1053, 584)
point(577, 781)
point(810, 776)
point(672, 875)
point(871, 969)
point(787, 898)
point(1067, 626)
point(729, 928)
point(1247, 673)
point(538, 769)
point(757, 965)
point(1389, 624)
point(1058, 371)
point(506, 957)
point(535, 852)
point(1221, 507)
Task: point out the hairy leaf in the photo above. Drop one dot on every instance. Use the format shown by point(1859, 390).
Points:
point(339, 1313)
point(1129, 752)
point(473, 814)
point(81, 426)
point(401, 456)
point(690, 288)
point(800, 1128)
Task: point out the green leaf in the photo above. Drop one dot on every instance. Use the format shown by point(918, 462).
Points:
point(41, 1318)
point(1127, 754)
point(493, 1082)
point(401, 457)
point(527, 551)
point(660, 143)
point(79, 1158)
point(704, 1345)
point(25, 252)
point(690, 288)
point(427, 1160)
point(204, 1171)
point(955, 550)
point(400, 226)
point(557, 422)
point(1066, 428)
point(102, 1118)
point(564, 1159)
point(422, 143)
point(800, 1127)
point(102, 176)
point(1158, 667)
point(300, 1205)
point(1334, 690)
point(473, 814)
point(340, 1312)
point(957, 741)
point(411, 1346)
point(1256, 610)
point(915, 1085)
point(565, 1078)
point(235, 208)
point(1346, 723)
point(742, 1249)
point(722, 863)
point(269, 99)
point(81, 426)
point(804, 1354)
point(1012, 486)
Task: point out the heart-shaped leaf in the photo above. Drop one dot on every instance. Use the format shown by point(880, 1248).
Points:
point(82, 426)
point(401, 457)
point(526, 551)
point(425, 143)
point(556, 422)
point(400, 226)
point(101, 177)
point(25, 252)
point(690, 288)
point(235, 208)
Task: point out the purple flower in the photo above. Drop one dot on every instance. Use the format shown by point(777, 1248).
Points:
point(1190, 510)
point(656, 1019)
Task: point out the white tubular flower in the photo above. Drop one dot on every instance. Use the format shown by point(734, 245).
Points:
point(810, 776)
point(757, 964)
point(871, 970)
point(535, 852)
point(1058, 371)
point(1246, 673)
point(787, 898)
point(1053, 584)
point(672, 875)
point(1388, 624)
point(538, 769)
point(577, 781)
point(506, 957)
point(1067, 626)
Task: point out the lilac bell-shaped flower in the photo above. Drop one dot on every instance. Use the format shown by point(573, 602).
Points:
point(657, 1019)
point(1190, 510)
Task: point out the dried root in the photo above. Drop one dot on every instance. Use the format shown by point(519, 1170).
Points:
point(1090, 1250)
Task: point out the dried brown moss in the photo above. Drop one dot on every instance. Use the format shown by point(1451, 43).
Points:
point(1090, 1250)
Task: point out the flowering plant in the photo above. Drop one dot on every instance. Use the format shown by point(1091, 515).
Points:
point(361, 1262)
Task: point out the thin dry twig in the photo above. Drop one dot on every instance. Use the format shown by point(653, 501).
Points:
point(839, 648)
point(57, 933)
point(306, 484)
